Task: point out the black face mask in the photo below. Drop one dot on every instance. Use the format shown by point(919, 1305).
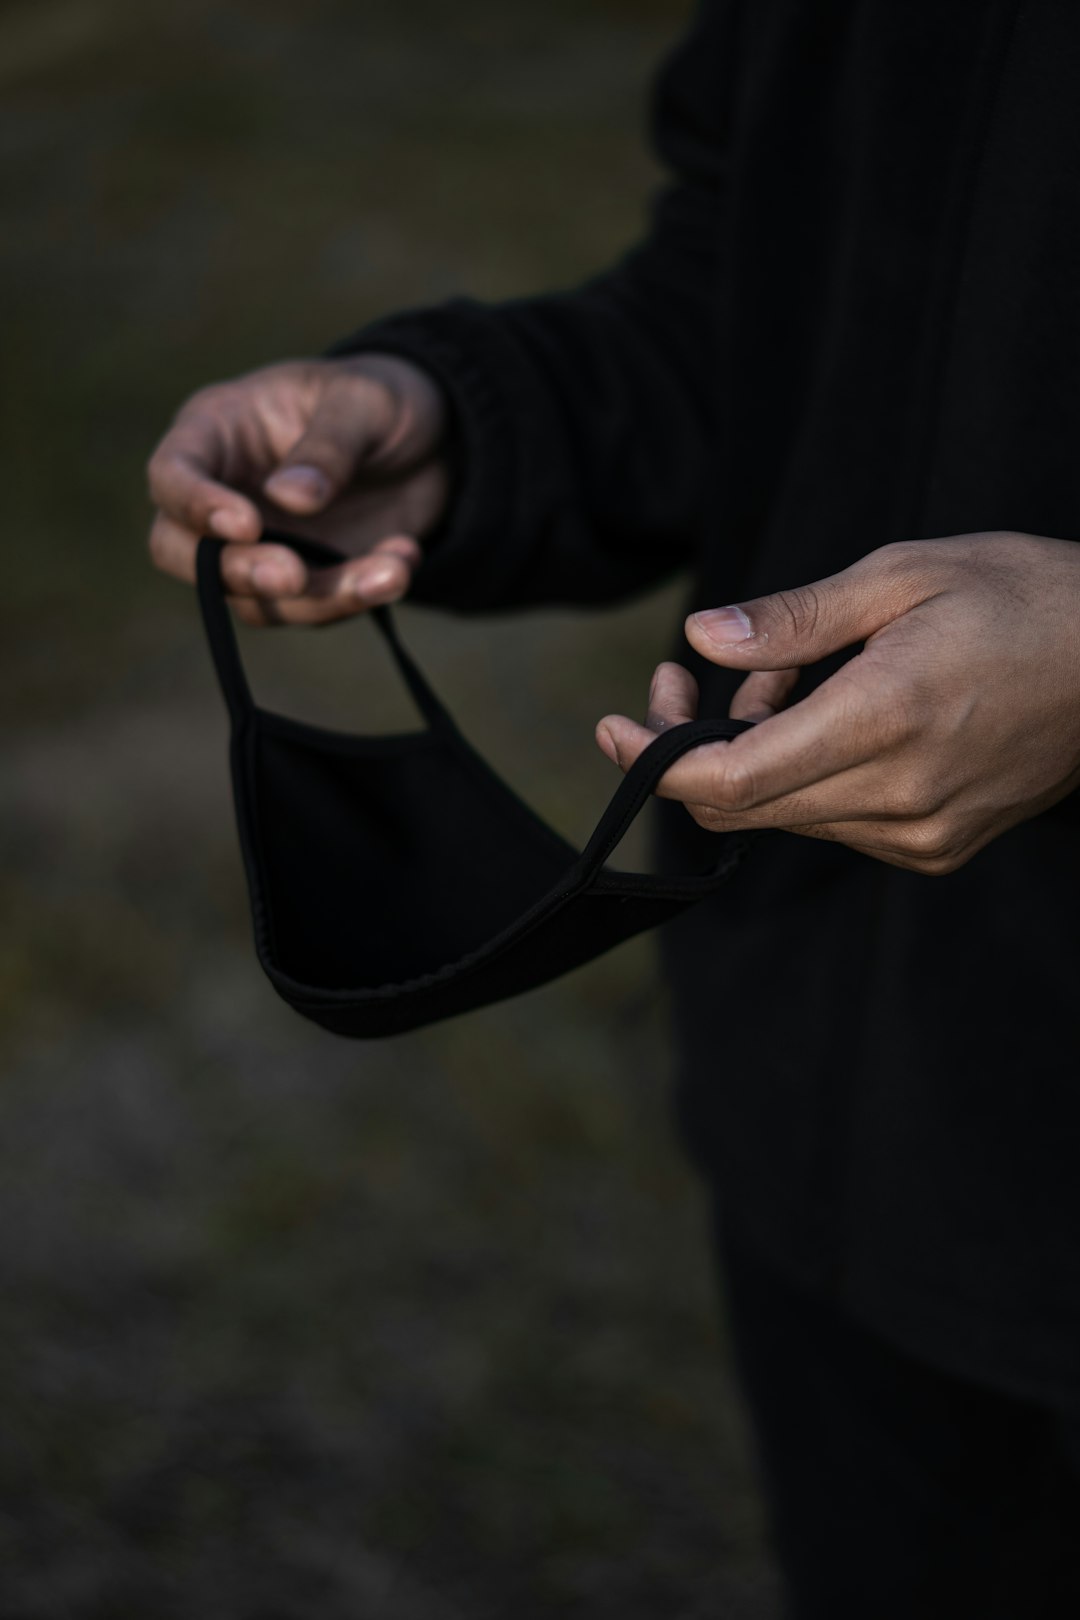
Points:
point(395, 880)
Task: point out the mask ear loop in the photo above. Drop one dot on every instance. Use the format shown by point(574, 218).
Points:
point(432, 710)
point(220, 631)
point(636, 787)
point(640, 781)
point(225, 652)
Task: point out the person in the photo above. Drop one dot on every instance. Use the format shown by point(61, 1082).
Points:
point(838, 382)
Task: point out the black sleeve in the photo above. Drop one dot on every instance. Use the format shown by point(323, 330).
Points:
point(585, 418)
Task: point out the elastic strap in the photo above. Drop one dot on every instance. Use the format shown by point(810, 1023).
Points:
point(640, 781)
point(221, 632)
point(637, 786)
point(436, 716)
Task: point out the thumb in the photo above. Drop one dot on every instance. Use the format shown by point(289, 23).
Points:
point(350, 420)
point(808, 623)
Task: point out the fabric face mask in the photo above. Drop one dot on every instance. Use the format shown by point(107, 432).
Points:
point(394, 879)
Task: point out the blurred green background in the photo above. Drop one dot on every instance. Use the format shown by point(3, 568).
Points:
point(293, 1327)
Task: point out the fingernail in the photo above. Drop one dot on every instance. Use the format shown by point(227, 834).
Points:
point(265, 578)
point(376, 579)
point(724, 626)
point(228, 523)
point(301, 480)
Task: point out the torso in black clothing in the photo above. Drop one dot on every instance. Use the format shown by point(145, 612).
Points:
point(895, 1107)
point(856, 319)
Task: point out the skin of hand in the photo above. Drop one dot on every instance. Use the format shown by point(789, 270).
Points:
point(958, 718)
point(355, 447)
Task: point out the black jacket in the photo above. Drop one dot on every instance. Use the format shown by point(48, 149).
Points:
point(855, 319)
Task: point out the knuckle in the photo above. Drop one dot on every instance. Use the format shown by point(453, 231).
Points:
point(908, 560)
point(801, 610)
point(920, 798)
point(706, 815)
point(912, 568)
point(330, 446)
point(930, 842)
point(236, 570)
point(899, 556)
point(192, 509)
point(942, 866)
point(734, 786)
point(379, 381)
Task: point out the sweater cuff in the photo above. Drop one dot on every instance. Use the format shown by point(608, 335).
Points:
point(454, 344)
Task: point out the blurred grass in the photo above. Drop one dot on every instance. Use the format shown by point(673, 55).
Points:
point(294, 1327)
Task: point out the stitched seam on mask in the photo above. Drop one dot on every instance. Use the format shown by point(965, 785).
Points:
point(548, 906)
point(251, 842)
point(577, 879)
point(692, 885)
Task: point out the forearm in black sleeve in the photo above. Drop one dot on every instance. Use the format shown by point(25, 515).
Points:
point(585, 420)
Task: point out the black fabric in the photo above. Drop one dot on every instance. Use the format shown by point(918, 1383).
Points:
point(897, 1491)
point(395, 880)
point(853, 320)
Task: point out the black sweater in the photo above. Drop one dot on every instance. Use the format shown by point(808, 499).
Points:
point(855, 319)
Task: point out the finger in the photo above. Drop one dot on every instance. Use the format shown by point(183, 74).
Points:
point(673, 698)
point(264, 570)
point(383, 575)
point(763, 693)
point(622, 739)
point(847, 797)
point(354, 415)
point(803, 625)
point(838, 728)
point(181, 484)
point(172, 548)
point(246, 569)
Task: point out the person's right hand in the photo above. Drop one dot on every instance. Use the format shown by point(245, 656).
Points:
point(354, 447)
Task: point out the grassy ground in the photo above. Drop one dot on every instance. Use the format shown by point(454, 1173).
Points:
point(294, 1328)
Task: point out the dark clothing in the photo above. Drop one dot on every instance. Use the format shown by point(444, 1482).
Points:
point(856, 319)
point(897, 1491)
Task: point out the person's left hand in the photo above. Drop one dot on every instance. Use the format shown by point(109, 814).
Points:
point(959, 717)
